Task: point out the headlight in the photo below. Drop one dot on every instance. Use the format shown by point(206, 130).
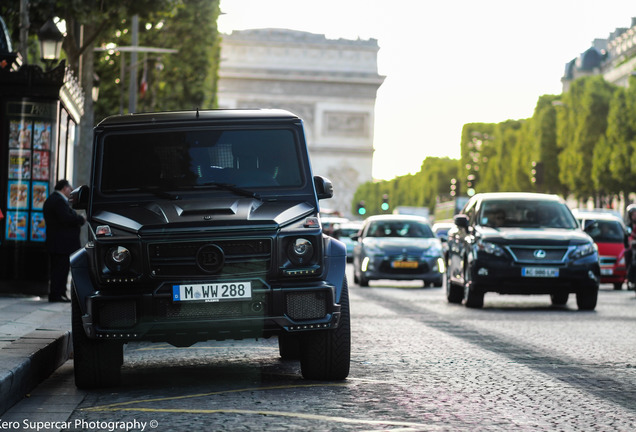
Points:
point(118, 259)
point(433, 251)
point(490, 248)
point(583, 250)
point(372, 250)
point(300, 251)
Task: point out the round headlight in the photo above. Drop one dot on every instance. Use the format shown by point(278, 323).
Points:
point(118, 258)
point(300, 251)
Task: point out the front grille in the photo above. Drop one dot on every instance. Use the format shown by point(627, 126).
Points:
point(305, 306)
point(607, 260)
point(166, 309)
point(117, 314)
point(242, 257)
point(527, 254)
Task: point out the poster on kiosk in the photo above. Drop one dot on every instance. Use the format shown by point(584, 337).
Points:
point(29, 149)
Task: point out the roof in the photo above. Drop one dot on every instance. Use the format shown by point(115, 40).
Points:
point(596, 215)
point(199, 115)
point(398, 217)
point(518, 196)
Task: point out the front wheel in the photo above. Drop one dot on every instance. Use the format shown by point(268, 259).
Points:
point(326, 354)
point(454, 292)
point(96, 363)
point(586, 300)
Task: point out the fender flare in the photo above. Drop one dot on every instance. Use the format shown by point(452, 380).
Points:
point(335, 258)
point(82, 283)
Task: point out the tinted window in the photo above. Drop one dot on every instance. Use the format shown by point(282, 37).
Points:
point(189, 159)
point(606, 231)
point(399, 229)
point(530, 214)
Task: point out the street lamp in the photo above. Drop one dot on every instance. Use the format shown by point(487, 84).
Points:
point(50, 42)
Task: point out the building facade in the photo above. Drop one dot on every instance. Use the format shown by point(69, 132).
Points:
point(330, 84)
point(614, 58)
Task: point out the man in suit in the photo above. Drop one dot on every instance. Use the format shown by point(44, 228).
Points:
point(62, 237)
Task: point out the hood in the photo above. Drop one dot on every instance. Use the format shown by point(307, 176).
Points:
point(402, 245)
point(544, 236)
point(227, 212)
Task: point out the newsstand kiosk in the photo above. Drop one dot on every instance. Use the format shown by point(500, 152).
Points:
point(39, 114)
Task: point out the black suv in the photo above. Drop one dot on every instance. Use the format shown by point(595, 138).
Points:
point(203, 225)
point(520, 243)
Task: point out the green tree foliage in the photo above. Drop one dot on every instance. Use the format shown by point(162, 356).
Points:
point(582, 143)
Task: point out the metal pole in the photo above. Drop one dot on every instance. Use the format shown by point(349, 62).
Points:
point(132, 97)
point(24, 30)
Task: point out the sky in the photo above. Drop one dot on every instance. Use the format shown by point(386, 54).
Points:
point(446, 63)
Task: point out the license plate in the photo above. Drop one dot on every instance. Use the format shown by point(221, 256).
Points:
point(404, 264)
point(607, 271)
point(549, 272)
point(212, 292)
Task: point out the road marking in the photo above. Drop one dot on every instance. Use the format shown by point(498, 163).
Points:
point(126, 406)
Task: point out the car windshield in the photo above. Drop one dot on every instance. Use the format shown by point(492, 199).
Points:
point(404, 228)
point(526, 214)
point(194, 159)
point(604, 231)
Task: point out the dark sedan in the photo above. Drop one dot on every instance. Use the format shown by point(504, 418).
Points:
point(397, 247)
point(520, 243)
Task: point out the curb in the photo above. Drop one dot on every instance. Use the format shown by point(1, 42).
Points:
point(30, 360)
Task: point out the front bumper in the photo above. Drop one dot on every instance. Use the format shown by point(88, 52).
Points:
point(430, 269)
point(506, 278)
point(154, 316)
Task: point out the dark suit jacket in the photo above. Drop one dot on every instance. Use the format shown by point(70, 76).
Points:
point(62, 225)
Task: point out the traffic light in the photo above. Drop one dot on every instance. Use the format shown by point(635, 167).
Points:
point(454, 187)
point(361, 208)
point(385, 203)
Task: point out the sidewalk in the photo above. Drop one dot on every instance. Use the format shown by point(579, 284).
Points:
point(35, 339)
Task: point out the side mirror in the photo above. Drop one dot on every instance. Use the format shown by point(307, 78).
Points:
point(324, 187)
point(461, 220)
point(79, 198)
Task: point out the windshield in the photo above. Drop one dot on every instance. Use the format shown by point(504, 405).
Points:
point(193, 159)
point(526, 214)
point(399, 229)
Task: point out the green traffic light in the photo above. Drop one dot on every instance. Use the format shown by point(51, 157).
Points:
point(362, 210)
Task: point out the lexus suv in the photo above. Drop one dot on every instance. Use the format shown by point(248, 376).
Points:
point(203, 225)
point(520, 243)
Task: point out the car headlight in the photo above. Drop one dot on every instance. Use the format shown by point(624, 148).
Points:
point(300, 251)
point(372, 250)
point(583, 250)
point(433, 251)
point(118, 259)
point(490, 248)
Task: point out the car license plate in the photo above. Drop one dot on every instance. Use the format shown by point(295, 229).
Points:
point(607, 271)
point(549, 272)
point(404, 264)
point(212, 292)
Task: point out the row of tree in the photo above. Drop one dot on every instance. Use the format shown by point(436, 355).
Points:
point(580, 144)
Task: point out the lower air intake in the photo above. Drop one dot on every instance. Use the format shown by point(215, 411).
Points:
point(306, 306)
point(117, 315)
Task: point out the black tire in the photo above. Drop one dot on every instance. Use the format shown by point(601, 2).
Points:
point(618, 286)
point(586, 300)
point(454, 292)
point(559, 299)
point(95, 363)
point(473, 298)
point(363, 281)
point(289, 346)
point(326, 354)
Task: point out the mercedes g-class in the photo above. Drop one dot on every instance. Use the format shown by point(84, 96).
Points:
point(203, 225)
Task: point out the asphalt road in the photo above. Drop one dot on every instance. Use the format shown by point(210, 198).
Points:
point(418, 364)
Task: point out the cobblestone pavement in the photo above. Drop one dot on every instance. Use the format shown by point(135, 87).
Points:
point(418, 364)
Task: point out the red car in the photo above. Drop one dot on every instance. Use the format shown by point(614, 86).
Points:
point(608, 232)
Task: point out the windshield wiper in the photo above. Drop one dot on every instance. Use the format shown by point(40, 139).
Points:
point(233, 188)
